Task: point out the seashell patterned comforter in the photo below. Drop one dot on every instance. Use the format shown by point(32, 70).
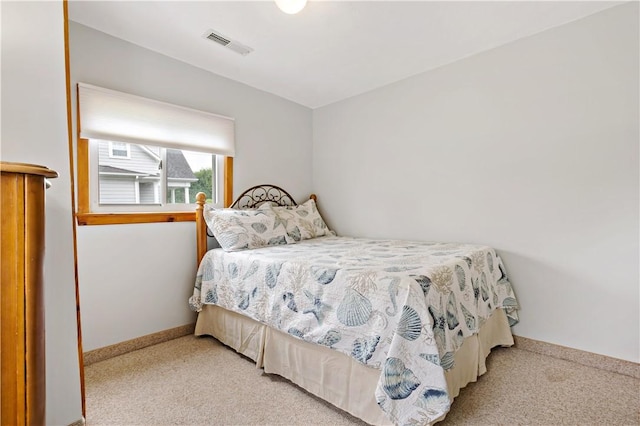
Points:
point(401, 307)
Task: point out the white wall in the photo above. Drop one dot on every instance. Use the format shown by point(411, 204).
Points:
point(532, 148)
point(136, 279)
point(34, 130)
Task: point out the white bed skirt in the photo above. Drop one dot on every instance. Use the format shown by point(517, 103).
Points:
point(331, 375)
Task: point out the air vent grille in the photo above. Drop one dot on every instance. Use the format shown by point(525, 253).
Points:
point(218, 39)
point(227, 42)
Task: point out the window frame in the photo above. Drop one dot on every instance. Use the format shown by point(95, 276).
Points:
point(87, 216)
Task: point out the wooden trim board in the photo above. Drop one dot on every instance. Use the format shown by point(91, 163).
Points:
point(122, 348)
point(602, 362)
point(590, 359)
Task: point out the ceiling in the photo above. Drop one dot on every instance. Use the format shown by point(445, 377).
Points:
point(331, 50)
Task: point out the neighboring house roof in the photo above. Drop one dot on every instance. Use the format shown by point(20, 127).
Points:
point(117, 170)
point(177, 166)
point(149, 151)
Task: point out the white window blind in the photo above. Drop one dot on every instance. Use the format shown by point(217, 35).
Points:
point(111, 115)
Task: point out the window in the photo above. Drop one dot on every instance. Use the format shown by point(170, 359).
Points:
point(149, 175)
point(141, 160)
point(119, 150)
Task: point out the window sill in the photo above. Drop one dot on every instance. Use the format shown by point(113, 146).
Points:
point(136, 217)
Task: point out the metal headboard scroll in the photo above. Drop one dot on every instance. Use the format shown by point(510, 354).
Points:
point(254, 197)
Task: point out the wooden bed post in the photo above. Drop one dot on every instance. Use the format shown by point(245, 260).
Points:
point(201, 227)
point(228, 181)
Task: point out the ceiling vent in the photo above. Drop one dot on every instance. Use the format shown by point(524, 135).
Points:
point(227, 42)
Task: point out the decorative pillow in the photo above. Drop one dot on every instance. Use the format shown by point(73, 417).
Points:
point(302, 222)
point(245, 229)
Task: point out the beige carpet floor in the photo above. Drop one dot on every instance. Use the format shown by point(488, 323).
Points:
point(193, 381)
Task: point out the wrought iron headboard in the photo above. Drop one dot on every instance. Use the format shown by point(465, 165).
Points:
point(254, 197)
point(250, 199)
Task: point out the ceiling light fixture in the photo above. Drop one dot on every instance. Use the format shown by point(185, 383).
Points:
point(291, 6)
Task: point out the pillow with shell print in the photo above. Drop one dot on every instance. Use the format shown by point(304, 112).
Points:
point(302, 222)
point(237, 230)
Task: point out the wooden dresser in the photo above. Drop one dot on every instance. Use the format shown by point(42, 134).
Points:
point(22, 363)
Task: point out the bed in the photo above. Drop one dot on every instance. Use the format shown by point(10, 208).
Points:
point(387, 330)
